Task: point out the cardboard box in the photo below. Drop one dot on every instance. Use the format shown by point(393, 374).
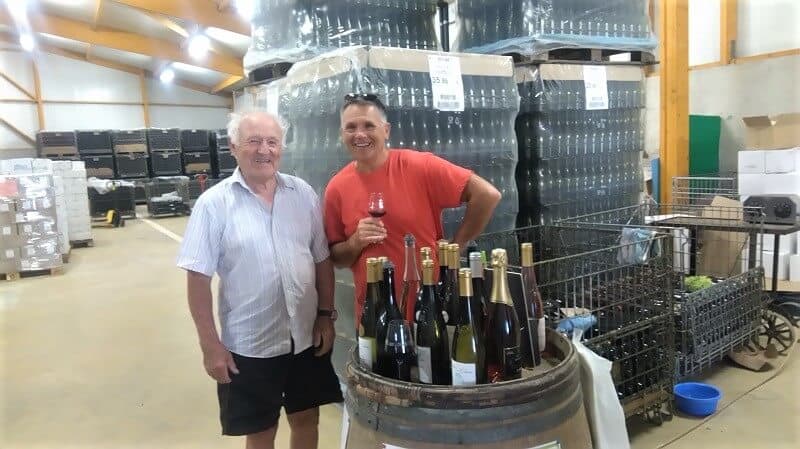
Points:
point(751, 184)
point(777, 132)
point(794, 268)
point(788, 243)
point(721, 249)
point(781, 184)
point(18, 166)
point(752, 162)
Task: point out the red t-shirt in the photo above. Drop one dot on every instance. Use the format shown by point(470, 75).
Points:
point(416, 187)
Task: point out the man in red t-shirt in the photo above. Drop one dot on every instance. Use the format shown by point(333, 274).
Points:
point(416, 187)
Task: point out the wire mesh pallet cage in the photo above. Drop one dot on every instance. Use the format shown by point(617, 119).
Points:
point(718, 287)
point(167, 196)
point(196, 187)
point(627, 290)
point(701, 190)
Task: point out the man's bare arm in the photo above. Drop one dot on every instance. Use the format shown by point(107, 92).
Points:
point(217, 360)
point(345, 254)
point(481, 198)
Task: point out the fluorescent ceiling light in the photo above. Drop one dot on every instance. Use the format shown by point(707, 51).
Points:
point(167, 75)
point(198, 46)
point(26, 41)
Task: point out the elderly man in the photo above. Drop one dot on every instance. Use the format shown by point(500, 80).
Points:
point(416, 187)
point(261, 232)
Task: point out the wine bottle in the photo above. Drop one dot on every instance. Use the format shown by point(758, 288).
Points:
point(386, 313)
point(468, 355)
point(443, 287)
point(411, 280)
point(453, 252)
point(478, 291)
point(367, 332)
point(502, 328)
point(424, 254)
point(433, 354)
point(534, 303)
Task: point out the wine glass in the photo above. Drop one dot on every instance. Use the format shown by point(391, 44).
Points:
point(400, 348)
point(376, 207)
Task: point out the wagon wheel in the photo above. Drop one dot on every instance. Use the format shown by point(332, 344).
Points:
point(790, 310)
point(775, 328)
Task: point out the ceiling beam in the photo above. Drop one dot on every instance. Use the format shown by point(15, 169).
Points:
point(17, 85)
point(98, 11)
point(184, 33)
point(201, 12)
point(226, 83)
point(130, 42)
point(4, 36)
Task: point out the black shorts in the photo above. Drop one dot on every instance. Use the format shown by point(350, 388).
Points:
point(252, 402)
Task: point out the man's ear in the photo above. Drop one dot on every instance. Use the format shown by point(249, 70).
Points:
point(388, 127)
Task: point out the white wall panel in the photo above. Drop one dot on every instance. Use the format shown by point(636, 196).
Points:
point(767, 25)
point(10, 92)
point(67, 79)
point(171, 93)
point(18, 67)
point(92, 116)
point(23, 117)
point(183, 117)
point(704, 26)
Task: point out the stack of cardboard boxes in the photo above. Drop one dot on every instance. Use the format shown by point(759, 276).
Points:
point(770, 165)
point(76, 196)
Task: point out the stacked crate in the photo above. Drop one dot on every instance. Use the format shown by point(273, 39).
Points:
point(130, 154)
point(223, 163)
point(73, 176)
point(196, 147)
point(164, 146)
point(96, 151)
point(57, 145)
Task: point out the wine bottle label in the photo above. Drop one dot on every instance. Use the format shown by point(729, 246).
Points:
point(511, 363)
point(366, 352)
point(424, 364)
point(463, 373)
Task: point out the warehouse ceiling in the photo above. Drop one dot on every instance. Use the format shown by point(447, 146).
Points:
point(139, 36)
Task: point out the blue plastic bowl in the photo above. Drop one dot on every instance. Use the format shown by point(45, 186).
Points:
point(696, 399)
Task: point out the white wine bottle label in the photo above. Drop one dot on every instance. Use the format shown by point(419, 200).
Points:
point(424, 363)
point(366, 352)
point(464, 373)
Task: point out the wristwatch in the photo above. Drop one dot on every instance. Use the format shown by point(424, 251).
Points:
point(332, 314)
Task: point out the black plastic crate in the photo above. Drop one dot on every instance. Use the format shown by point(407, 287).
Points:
point(197, 163)
point(132, 165)
point(55, 139)
point(130, 141)
point(94, 142)
point(100, 166)
point(122, 198)
point(224, 163)
point(163, 139)
point(166, 163)
point(221, 141)
point(195, 140)
point(140, 194)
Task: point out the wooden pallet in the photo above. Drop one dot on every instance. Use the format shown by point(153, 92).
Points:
point(14, 276)
point(81, 243)
point(583, 55)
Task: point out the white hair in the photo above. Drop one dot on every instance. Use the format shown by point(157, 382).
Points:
point(235, 123)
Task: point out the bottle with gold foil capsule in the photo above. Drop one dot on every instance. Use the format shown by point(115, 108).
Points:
point(444, 286)
point(367, 327)
point(532, 335)
point(502, 327)
point(479, 296)
point(433, 350)
point(468, 354)
point(425, 253)
point(453, 264)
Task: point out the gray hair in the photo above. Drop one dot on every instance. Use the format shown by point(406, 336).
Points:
point(235, 123)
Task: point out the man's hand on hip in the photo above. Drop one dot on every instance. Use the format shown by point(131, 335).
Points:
point(323, 334)
point(218, 362)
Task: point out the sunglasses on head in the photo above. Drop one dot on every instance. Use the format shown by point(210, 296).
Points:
point(371, 98)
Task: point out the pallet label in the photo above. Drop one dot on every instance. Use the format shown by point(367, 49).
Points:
point(596, 82)
point(446, 83)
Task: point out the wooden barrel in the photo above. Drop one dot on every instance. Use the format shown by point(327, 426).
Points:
point(543, 410)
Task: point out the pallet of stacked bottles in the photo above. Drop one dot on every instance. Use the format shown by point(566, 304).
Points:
point(118, 195)
point(167, 196)
point(621, 290)
point(164, 146)
point(222, 161)
point(718, 297)
point(130, 154)
point(97, 152)
point(471, 126)
point(57, 145)
point(289, 31)
point(580, 127)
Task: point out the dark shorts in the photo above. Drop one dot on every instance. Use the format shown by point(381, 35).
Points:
point(252, 402)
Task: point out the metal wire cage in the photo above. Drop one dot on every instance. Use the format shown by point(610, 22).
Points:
point(625, 287)
point(719, 311)
point(701, 190)
point(167, 195)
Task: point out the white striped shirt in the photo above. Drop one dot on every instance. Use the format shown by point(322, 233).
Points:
point(265, 260)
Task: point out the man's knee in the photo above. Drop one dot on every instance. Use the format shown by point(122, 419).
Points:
point(262, 440)
point(306, 418)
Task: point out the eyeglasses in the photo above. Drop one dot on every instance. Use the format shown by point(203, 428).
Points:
point(369, 98)
point(256, 142)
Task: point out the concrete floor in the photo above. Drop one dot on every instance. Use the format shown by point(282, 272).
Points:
point(105, 356)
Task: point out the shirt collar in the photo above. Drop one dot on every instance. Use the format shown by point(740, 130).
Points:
point(239, 178)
